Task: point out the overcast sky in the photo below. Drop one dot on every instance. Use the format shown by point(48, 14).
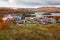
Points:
point(29, 3)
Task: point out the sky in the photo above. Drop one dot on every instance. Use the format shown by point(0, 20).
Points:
point(30, 3)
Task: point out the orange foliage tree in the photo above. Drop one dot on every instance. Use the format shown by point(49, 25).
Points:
point(7, 24)
point(56, 17)
point(1, 23)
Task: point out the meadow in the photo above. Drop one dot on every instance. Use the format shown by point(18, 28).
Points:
point(31, 31)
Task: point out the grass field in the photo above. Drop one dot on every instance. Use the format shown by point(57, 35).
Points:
point(31, 31)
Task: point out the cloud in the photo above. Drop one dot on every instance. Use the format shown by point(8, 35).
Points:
point(55, 2)
point(29, 3)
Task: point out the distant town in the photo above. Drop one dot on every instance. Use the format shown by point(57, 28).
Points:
point(26, 14)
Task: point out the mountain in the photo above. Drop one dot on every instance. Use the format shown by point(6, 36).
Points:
point(16, 10)
point(48, 9)
point(28, 10)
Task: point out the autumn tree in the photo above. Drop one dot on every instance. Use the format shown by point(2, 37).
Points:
point(1, 23)
point(7, 24)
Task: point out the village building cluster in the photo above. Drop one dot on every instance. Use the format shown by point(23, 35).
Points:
point(40, 17)
point(23, 15)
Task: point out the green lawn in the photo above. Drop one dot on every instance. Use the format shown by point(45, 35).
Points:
point(31, 31)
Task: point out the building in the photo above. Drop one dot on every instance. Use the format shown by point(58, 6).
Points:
point(54, 15)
